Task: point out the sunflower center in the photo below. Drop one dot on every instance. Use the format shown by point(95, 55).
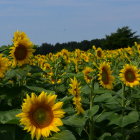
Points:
point(105, 77)
point(99, 53)
point(130, 76)
point(42, 117)
point(20, 52)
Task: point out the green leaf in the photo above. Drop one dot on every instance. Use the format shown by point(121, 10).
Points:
point(66, 99)
point(96, 86)
point(91, 112)
point(9, 117)
point(39, 89)
point(102, 91)
point(115, 119)
point(85, 89)
point(63, 135)
point(3, 48)
point(61, 88)
point(132, 117)
point(69, 110)
point(104, 135)
point(135, 96)
point(75, 121)
point(103, 98)
point(103, 116)
point(123, 121)
point(10, 74)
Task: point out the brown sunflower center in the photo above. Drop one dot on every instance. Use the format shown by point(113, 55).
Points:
point(130, 75)
point(87, 75)
point(42, 117)
point(105, 76)
point(20, 52)
point(99, 53)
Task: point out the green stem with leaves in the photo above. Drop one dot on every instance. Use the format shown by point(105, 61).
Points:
point(91, 123)
point(123, 106)
point(123, 98)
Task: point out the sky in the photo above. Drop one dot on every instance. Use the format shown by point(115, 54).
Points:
point(59, 21)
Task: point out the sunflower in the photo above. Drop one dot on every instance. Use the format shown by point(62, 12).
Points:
point(40, 115)
point(129, 75)
point(22, 50)
point(138, 47)
point(87, 76)
point(75, 91)
point(105, 77)
point(78, 105)
point(4, 63)
point(94, 47)
point(99, 53)
point(75, 87)
point(19, 36)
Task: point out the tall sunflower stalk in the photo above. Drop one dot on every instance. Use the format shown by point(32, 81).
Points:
point(123, 106)
point(91, 123)
point(88, 76)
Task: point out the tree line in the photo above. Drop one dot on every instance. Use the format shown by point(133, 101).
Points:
point(122, 38)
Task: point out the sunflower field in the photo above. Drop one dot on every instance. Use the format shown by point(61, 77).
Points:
point(79, 95)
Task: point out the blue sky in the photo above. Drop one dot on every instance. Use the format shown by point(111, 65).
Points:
point(61, 21)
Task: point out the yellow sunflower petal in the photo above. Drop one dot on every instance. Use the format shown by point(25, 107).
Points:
point(40, 118)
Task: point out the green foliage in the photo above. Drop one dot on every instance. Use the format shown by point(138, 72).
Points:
point(109, 114)
point(39, 89)
point(125, 120)
point(63, 135)
point(9, 117)
point(120, 39)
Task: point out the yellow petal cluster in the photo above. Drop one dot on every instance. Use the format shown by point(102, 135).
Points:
point(75, 91)
point(130, 75)
point(41, 115)
point(4, 63)
point(22, 50)
point(87, 72)
point(105, 75)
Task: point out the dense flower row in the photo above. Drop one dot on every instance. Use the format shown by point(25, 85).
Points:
point(40, 115)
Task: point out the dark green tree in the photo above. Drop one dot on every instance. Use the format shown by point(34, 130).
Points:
point(122, 38)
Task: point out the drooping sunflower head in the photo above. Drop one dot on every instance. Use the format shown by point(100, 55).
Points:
point(138, 47)
point(75, 87)
point(65, 52)
point(87, 75)
point(22, 50)
point(41, 115)
point(94, 47)
point(130, 75)
point(99, 53)
point(105, 75)
point(46, 66)
point(75, 91)
point(4, 63)
point(78, 105)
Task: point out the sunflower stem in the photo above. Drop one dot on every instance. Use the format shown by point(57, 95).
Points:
point(123, 105)
point(91, 123)
point(123, 97)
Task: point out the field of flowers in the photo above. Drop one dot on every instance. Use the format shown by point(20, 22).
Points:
point(93, 95)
